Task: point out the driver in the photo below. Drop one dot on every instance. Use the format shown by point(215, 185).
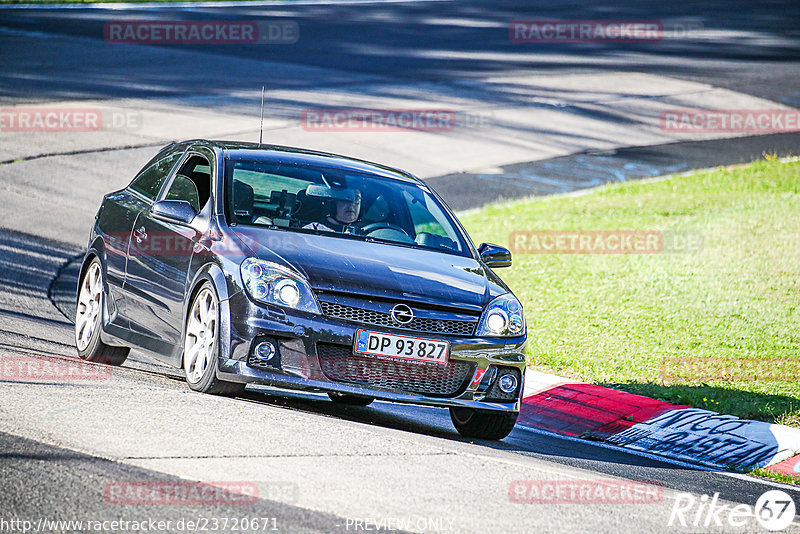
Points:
point(343, 214)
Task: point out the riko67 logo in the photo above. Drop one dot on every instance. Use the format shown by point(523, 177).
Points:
point(774, 510)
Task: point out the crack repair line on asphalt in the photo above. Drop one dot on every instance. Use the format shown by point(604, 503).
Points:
point(79, 152)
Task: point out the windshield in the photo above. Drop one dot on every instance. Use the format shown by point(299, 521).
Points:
point(336, 202)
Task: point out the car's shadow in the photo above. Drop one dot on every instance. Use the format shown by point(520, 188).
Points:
point(409, 418)
point(436, 422)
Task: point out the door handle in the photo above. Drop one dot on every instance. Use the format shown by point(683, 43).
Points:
point(140, 235)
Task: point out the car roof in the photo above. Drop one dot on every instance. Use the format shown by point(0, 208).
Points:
point(268, 152)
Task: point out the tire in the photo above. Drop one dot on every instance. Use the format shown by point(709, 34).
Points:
point(351, 400)
point(201, 346)
point(483, 424)
point(89, 320)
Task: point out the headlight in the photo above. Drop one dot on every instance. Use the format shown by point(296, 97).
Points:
point(502, 317)
point(274, 284)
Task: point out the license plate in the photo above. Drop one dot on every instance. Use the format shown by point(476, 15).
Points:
point(401, 347)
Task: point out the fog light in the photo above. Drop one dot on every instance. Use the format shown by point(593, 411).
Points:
point(508, 383)
point(265, 351)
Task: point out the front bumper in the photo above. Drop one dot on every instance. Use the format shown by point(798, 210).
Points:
point(300, 365)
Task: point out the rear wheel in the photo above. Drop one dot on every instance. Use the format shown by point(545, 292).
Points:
point(483, 424)
point(88, 320)
point(201, 346)
point(352, 400)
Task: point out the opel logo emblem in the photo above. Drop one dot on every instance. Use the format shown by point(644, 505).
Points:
point(402, 314)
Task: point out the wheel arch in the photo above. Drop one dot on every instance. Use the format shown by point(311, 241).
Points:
point(95, 250)
point(114, 351)
point(212, 274)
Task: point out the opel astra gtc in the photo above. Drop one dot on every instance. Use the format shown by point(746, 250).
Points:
point(297, 269)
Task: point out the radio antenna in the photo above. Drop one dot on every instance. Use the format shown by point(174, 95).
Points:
point(261, 129)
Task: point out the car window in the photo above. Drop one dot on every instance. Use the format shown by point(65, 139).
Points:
point(192, 182)
point(264, 197)
point(426, 217)
point(152, 178)
point(338, 202)
point(183, 188)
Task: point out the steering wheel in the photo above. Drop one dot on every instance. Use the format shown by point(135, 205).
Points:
point(374, 227)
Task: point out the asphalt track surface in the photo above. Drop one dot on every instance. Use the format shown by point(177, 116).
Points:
point(61, 443)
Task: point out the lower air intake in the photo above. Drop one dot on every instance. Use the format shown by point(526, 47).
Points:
point(340, 364)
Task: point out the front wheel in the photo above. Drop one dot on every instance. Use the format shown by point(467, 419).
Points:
point(88, 320)
point(201, 346)
point(483, 424)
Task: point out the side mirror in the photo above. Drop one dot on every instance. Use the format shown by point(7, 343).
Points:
point(174, 211)
point(494, 256)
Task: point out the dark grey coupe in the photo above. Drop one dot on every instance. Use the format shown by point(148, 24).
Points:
point(298, 269)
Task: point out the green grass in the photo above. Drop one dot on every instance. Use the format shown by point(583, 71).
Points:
point(614, 319)
point(780, 477)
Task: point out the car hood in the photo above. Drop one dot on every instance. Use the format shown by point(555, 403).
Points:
point(377, 269)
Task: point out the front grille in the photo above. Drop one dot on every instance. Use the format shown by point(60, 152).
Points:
point(339, 364)
point(418, 324)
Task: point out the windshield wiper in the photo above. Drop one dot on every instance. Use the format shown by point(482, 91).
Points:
point(369, 239)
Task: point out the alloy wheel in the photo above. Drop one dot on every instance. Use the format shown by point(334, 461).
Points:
point(89, 304)
point(201, 335)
